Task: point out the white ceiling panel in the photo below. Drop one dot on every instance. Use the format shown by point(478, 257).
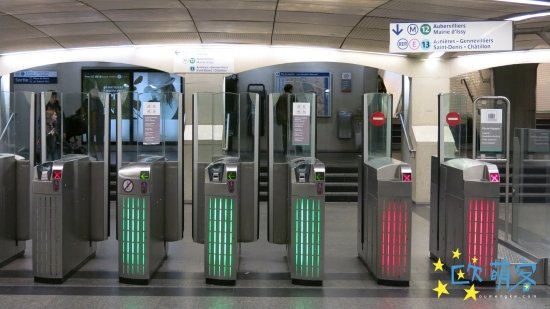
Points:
point(164, 38)
point(419, 14)
point(370, 34)
point(29, 45)
point(231, 14)
point(232, 38)
point(7, 22)
point(20, 34)
point(75, 41)
point(366, 45)
point(53, 18)
point(156, 26)
point(229, 4)
point(133, 4)
point(307, 29)
point(322, 8)
point(79, 29)
point(38, 8)
point(148, 15)
point(235, 26)
point(349, 24)
point(318, 18)
point(306, 40)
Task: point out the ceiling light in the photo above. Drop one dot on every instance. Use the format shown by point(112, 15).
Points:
point(532, 2)
point(529, 16)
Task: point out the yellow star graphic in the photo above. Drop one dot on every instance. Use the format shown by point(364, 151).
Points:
point(460, 274)
point(438, 265)
point(471, 293)
point(441, 289)
point(456, 254)
point(474, 260)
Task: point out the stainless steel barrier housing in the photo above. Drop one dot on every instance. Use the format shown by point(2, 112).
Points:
point(149, 216)
point(66, 218)
point(306, 245)
point(14, 206)
point(384, 219)
point(222, 221)
point(465, 217)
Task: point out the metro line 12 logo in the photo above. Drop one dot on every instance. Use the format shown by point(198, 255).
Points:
point(500, 274)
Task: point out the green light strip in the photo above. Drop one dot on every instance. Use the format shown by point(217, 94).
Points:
point(220, 237)
point(134, 235)
point(307, 237)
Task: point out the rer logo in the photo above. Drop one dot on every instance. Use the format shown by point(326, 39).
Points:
point(402, 44)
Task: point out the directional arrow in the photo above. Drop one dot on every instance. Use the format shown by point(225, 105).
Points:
point(397, 30)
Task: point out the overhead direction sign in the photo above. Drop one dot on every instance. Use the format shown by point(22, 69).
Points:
point(429, 37)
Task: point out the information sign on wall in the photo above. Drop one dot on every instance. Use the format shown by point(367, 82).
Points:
point(429, 37)
point(35, 77)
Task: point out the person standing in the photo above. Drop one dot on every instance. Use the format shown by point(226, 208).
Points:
point(53, 128)
point(281, 112)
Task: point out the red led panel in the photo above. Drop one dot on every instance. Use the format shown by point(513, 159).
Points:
point(56, 174)
point(481, 234)
point(394, 239)
point(406, 177)
point(494, 177)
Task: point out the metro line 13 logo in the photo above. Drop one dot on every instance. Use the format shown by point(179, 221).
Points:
point(500, 274)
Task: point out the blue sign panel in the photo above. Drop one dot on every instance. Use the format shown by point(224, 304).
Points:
point(35, 77)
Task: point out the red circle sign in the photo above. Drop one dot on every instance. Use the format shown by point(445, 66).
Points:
point(453, 119)
point(377, 119)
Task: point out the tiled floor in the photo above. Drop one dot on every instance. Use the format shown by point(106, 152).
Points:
point(263, 281)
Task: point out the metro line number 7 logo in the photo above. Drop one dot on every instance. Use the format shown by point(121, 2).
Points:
point(425, 29)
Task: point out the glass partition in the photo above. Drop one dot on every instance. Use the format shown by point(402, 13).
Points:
point(377, 111)
point(16, 126)
point(148, 125)
point(216, 126)
point(531, 190)
point(294, 124)
point(455, 121)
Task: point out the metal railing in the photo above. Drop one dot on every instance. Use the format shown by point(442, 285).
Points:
point(412, 151)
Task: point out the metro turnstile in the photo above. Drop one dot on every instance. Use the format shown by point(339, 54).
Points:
point(14, 206)
point(149, 215)
point(306, 221)
point(225, 170)
point(384, 219)
point(466, 214)
point(68, 217)
point(221, 221)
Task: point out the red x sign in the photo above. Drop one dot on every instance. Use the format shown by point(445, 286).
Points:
point(494, 177)
point(406, 177)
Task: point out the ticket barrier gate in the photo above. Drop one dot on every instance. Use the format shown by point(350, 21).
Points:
point(222, 221)
point(465, 214)
point(307, 221)
point(149, 215)
point(68, 216)
point(384, 219)
point(14, 206)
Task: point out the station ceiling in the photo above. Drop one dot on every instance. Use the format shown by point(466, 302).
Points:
point(28, 25)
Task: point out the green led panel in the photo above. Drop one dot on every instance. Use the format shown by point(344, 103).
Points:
point(307, 244)
point(220, 237)
point(134, 235)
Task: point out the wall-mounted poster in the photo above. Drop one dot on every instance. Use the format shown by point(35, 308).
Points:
point(308, 82)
